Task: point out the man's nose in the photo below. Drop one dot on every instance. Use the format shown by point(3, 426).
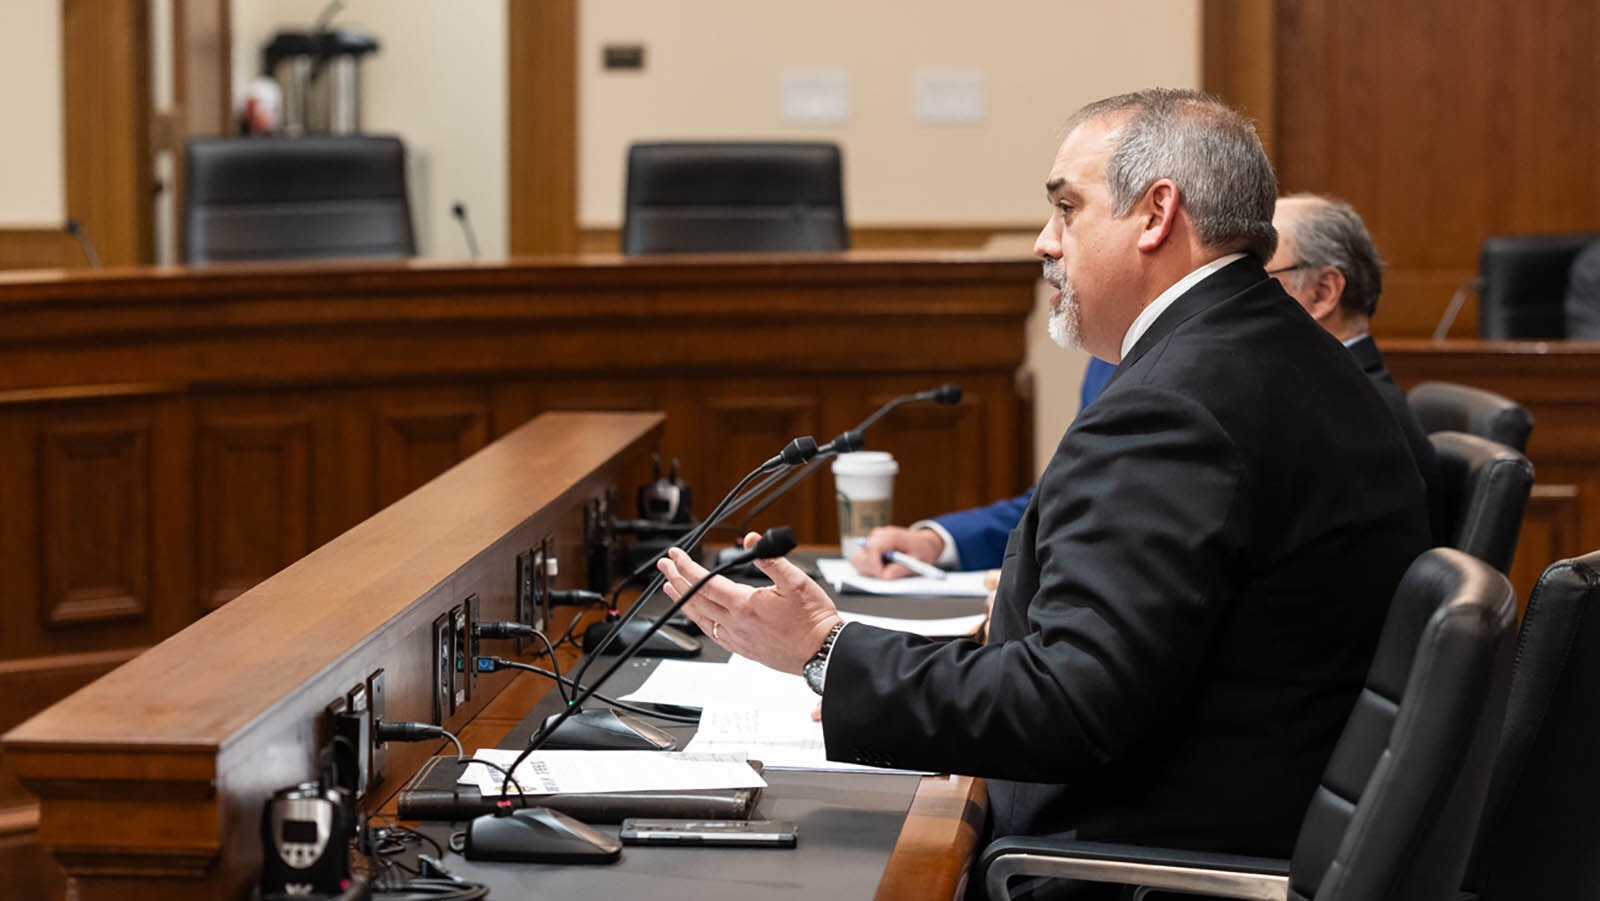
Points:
point(1048, 244)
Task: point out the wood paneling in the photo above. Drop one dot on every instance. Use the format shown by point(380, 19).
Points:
point(169, 437)
point(542, 125)
point(1443, 123)
point(105, 125)
point(1238, 62)
point(255, 504)
point(419, 438)
point(151, 780)
point(94, 520)
point(865, 237)
point(38, 248)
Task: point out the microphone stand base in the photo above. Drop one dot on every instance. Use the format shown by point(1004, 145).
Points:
point(538, 834)
point(604, 729)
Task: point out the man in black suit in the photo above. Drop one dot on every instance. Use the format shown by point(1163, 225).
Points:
point(1188, 608)
point(1327, 262)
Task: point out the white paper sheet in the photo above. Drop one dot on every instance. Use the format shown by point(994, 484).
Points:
point(587, 772)
point(949, 627)
point(838, 572)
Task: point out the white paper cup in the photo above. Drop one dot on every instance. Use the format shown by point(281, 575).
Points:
point(864, 485)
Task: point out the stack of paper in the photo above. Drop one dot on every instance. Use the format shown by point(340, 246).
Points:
point(585, 772)
point(842, 576)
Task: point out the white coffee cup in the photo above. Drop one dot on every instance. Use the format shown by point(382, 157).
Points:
point(864, 485)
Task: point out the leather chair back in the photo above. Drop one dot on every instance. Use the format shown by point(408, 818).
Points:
point(296, 198)
point(1448, 407)
point(1395, 815)
point(1483, 489)
point(735, 197)
point(1538, 837)
point(1522, 281)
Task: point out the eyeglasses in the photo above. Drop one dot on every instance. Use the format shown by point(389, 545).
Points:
point(1289, 268)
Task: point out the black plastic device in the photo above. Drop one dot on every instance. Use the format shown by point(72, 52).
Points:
point(729, 833)
point(305, 840)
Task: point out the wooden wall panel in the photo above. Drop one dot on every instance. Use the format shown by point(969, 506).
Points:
point(94, 522)
point(256, 502)
point(1443, 123)
point(418, 439)
point(38, 248)
point(736, 434)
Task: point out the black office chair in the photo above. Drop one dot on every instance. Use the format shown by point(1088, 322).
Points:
point(737, 197)
point(1448, 407)
point(1483, 489)
point(1394, 817)
point(1522, 282)
point(1537, 838)
point(296, 198)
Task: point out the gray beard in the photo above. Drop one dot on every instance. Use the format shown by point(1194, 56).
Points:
point(1066, 319)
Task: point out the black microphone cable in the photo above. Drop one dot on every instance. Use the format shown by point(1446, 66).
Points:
point(775, 542)
point(798, 451)
point(495, 664)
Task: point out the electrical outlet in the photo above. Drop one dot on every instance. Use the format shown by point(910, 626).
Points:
point(356, 726)
point(458, 657)
point(599, 542)
point(443, 670)
point(343, 733)
point(377, 703)
point(471, 635)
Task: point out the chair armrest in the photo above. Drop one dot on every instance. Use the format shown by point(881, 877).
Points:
point(1231, 875)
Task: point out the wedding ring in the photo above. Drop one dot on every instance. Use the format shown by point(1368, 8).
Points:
point(714, 628)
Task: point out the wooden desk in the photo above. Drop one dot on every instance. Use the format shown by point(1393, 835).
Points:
point(151, 779)
point(171, 437)
point(1559, 382)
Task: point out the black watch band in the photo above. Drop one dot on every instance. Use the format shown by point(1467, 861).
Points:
point(816, 669)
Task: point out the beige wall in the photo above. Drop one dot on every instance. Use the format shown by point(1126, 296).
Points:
point(438, 81)
point(713, 70)
point(32, 189)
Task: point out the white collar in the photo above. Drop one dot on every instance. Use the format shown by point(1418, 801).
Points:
point(1148, 315)
point(1352, 342)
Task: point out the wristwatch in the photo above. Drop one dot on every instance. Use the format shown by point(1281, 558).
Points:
point(816, 668)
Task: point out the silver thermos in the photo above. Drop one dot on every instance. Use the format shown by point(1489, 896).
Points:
point(319, 78)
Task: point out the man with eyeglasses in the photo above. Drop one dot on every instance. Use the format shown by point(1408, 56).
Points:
point(1327, 262)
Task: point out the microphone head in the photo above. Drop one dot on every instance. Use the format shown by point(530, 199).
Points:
point(847, 443)
point(774, 542)
point(458, 210)
point(947, 394)
point(72, 227)
point(799, 451)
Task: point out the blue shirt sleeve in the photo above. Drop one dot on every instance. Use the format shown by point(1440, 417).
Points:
point(981, 533)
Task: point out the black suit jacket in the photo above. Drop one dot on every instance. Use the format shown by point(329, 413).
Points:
point(1371, 362)
point(1189, 605)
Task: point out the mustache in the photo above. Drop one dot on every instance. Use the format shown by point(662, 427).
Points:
point(1053, 273)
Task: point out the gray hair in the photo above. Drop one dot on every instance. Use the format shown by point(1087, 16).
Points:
point(1331, 234)
point(1207, 148)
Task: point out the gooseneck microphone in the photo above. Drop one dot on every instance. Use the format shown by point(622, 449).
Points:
point(848, 442)
point(74, 228)
point(624, 732)
point(459, 211)
point(775, 542)
point(944, 395)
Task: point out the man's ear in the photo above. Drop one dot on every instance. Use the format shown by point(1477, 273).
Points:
point(1158, 211)
point(1327, 291)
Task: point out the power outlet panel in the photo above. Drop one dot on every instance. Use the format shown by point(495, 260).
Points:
point(377, 702)
point(470, 664)
point(458, 657)
point(443, 670)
